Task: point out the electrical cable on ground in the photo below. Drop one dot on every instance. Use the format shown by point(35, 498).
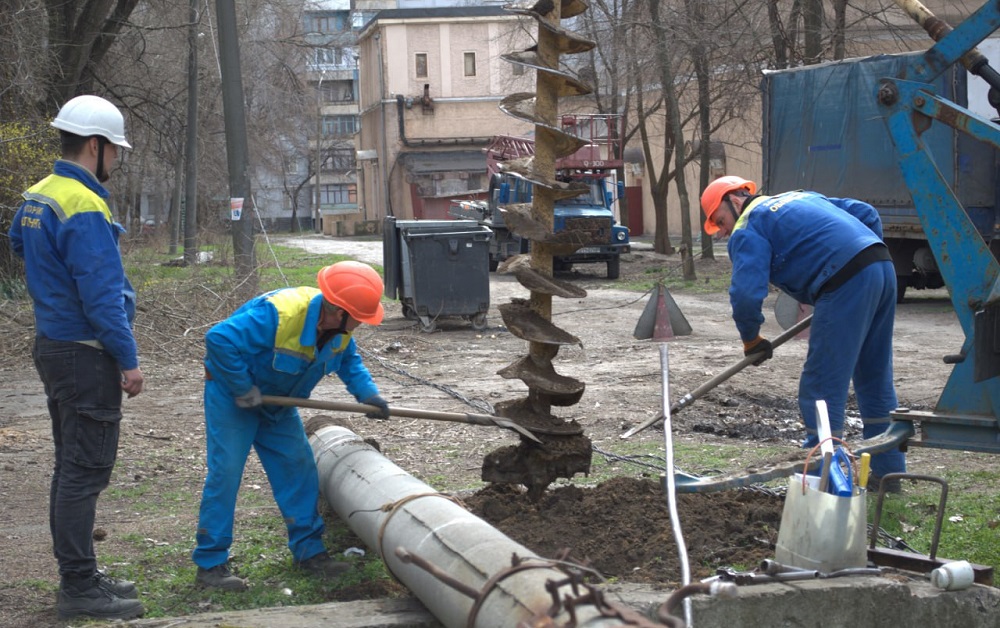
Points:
point(479, 404)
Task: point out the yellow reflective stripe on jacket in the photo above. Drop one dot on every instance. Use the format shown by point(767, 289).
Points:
point(742, 220)
point(56, 191)
point(292, 306)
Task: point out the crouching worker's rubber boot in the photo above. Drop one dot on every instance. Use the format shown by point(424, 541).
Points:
point(219, 577)
point(322, 565)
point(87, 598)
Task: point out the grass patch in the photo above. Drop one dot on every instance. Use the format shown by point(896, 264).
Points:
point(971, 518)
point(277, 266)
point(704, 283)
point(165, 574)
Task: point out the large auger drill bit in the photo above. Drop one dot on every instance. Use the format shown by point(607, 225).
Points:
point(566, 450)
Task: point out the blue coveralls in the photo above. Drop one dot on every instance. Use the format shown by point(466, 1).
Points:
point(269, 342)
point(83, 307)
point(799, 241)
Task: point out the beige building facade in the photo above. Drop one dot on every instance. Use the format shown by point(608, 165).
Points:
point(430, 84)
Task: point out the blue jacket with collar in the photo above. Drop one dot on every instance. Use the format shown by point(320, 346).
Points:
point(68, 238)
point(797, 241)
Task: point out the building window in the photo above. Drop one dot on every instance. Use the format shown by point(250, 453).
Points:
point(338, 159)
point(420, 64)
point(340, 125)
point(327, 22)
point(338, 194)
point(470, 64)
point(328, 56)
point(337, 91)
point(474, 182)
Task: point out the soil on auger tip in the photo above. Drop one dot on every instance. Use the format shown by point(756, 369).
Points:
point(621, 528)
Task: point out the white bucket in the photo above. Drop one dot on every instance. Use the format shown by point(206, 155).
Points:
point(820, 531)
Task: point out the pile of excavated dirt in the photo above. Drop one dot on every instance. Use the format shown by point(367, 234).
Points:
point(621, 528)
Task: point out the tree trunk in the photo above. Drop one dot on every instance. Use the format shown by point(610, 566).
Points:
point(696, 13)
point(812, 23)
point(673, 132)
point(839, 28)
point(79, 34)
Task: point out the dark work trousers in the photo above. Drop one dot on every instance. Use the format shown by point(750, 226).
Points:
point(83, 386)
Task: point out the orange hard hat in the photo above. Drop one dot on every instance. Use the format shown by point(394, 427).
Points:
point(712, 197)
point(354, 287)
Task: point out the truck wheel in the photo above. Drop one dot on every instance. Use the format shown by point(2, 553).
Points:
point(614, 268)
point(409, 313)
point(902, 282)
point(479, 321)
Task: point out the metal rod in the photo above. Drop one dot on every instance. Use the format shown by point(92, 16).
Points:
point(668, 442)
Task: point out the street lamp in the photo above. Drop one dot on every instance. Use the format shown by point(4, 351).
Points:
point(317, 222)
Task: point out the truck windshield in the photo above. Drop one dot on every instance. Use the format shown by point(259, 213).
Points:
point(594, 197)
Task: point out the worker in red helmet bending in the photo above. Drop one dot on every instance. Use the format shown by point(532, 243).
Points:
point(279, 343)
point(828, 253)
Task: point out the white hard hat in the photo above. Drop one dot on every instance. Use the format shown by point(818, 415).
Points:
point(92, 115)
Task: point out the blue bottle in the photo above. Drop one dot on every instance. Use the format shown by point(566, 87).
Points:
point(840, 482)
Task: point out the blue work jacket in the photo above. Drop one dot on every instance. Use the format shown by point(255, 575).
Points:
point(797, 241)
point(73, 267)
point(270, 342)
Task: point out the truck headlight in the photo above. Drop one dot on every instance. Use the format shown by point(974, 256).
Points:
point(620, 236)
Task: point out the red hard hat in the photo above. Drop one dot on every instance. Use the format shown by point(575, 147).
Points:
point(711, 198)
point(356, 288)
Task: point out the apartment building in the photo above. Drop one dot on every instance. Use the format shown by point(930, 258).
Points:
point(331, 29)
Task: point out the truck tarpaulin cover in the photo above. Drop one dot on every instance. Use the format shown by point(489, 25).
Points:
point(823, 132)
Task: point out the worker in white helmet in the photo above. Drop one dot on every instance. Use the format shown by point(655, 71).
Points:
point(84, 351)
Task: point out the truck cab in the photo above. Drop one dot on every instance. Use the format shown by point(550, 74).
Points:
point(591, 212)
point(596, 164)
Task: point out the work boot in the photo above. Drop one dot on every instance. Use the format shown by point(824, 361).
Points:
point(219, 577)
point(895, 485)
point(322, 565)
point(121, 588)
point(89, 599)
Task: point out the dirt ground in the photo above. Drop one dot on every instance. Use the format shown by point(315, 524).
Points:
point(620, 526)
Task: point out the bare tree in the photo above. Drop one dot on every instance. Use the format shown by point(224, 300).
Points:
point(79, 36)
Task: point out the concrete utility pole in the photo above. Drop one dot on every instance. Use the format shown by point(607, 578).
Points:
point(236, 144)
point(191, 144)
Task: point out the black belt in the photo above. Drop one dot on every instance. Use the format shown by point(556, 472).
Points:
point(866, 257)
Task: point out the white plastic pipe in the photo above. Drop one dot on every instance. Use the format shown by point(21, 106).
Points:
point(668, 444)
point(389, 509)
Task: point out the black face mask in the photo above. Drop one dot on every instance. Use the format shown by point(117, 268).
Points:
point(101, 174)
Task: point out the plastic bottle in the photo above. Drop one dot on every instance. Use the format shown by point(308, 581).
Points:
point(840, 482)
point(953, 576)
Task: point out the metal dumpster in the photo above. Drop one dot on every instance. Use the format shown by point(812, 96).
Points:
point(438, 269)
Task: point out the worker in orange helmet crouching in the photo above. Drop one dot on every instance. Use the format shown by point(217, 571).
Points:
point(280, 343)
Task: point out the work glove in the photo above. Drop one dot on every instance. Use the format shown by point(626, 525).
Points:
point(380, 403)
point(250, 399)
point(759, 346)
